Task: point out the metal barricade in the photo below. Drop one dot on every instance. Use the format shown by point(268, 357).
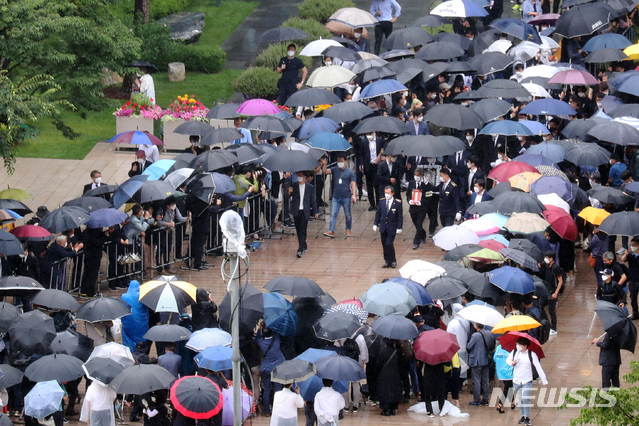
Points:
point(167, 246)
point(122, 261)
point(66, 274)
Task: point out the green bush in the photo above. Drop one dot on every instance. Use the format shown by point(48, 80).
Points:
point(162, 8)
point(257, 82)
point(270, 57)
point(199, 58)
point(312, 28)
point(157, 45)
point(321, 10)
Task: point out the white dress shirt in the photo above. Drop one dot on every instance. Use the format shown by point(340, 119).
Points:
point(522, 371)
point(151, 152)
point(285, 405)
point(372, 146)
point(328, 403)
point(302, 191)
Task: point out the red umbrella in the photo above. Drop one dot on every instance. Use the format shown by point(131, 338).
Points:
point(509, 342)
point(492, 244)
point(562, 223)
point(197, 397)
point(435, 346)
point(503, 171)
point(352, 302)
point(31, 233)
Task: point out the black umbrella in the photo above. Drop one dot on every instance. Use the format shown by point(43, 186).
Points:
point(347, 111)
point(461, 251)
point(10, 244)
point(483, 40)
point(424, 146)
point(395, 327)
point(407, 38)
point(337, 325)
point(141, 379)
point(104, 370)
point(527, 247)
point(392, 54)
point(541, 287)
point(481, 208)
point(407, 75)
point(311, 97)
point(222, 135)
point(439, 51)
point(19, 286)
point(454, 117)
point(368, 63)
point(290, 161)
point(503, 89)
point(456, 39)
point(578, 129)
point(197, 397)
point(294, 286)
point(294, 370)
point(70, 342)
point(100, 190)
point(478, 283)
point(376, 73)
point(153, 190)
point(449, 265)
point(501, 188)
point(167, 333)
point(267, 123)
point(32, 333)
point(571, 3)
point(8, 315)
point(382, 124)
point(213, 160)
point(460, 67)
point(490, 109)
point(64, 219)
point(15, 205)
point(140, 63)
point(628, 110)
point(343, 53)
point(430, 21)
point(346, 42)
point(617, 324)
point(583, 20)
point(10, 376)
point(202, 186)
point(193, 127)
point(55, 299)
point(490, 62)
point(247, 152)
point(608, 195)
point(579, 199)
point(251, 307)
point(445, 287)
point(517, 202)
point(89, 204)
point(103, 309)
point(621, 223)
point(282, 34)
point(223, 111)
point(181, 161)
point(606, 54)
point(615, 132)
point(587, 154)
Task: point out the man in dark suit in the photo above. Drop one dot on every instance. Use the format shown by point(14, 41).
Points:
point(303, 204)
point(449, 205)
point(479, 194)
point(389, 220)
point(419, 205)
point(140, 165)
point(388, 174)
point(610, 360)
point(474, 174)
point(416, 125)
point(170, 360)
point(370, 155)
point(96, 177)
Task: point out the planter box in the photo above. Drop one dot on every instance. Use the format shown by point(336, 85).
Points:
point(128, 124)
point(174, 141)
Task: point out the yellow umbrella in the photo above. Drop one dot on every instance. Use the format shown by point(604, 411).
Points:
point(486, 256)
point(14, 194)
point(515, 323)
point(167, 293)
point(593, 215)
point(632, 51)
point(523, 180)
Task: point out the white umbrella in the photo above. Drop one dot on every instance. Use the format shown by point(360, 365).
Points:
point(536, 90)
point(458, 9)
point(634, 122)
point(315, 48)
point(501, 46)
point(481, 314)
point(114, 351)
point(452, 236)
point(368, 55)
point(421, 271)
point(330, 76)
point(354, 17)
point(178, 177)
point(545, 71)
point(525, 50)
point(548, 43)
point(207, 337)
point(554, 200)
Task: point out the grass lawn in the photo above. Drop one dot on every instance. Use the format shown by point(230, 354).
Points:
point(221, 21)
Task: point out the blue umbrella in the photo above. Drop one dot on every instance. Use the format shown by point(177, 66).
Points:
point(497, 237)
point(505, 127)
point(44, 399)
point(552, 151)
point(329, 142)
point(540, 240)
point(535, 127)
point(382, 87)
point(535, 160)
point(615, 41)
point(125, 191)
point(105, 218)
point(548, 107)
point(340, 368)
point(316, 125)
point(395, 327)
point(609, 103)
point(223, 183)
point(517, 28)
point(279, 315)
point(512, 280)
point(215, 358)
point(312, 385)
point(158, 169)
point(496, 218)
point(624, 77)
point(547, 32)
point(419, 291)
point(552, 185)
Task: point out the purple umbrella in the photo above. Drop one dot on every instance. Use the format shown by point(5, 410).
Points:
point(316, 125)
point(578, 77)
point(552, 185)
point(609, 103)
point(227, 413)
point(258, 107)
point(535, 160)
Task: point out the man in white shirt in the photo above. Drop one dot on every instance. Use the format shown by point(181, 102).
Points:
point(246, 133)
point(327, 405)
point(523, 361)
point(151, 152)
point(285, 405)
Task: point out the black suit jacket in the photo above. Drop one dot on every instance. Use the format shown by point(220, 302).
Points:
point(479, 175)
point(88, 186)
point(449, 204)
point(424, 187)
point(384, 176)
point(364, 157)
point(610, 353)
point(139, 169)
point(423, 128)
point(310, 203)
point(389, 220)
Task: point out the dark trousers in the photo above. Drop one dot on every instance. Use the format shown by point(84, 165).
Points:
point(481, 385)
point(552, 311)
point(58, 418)
point(359, 182)
point(301, 224)
point(431, 208)
point(92, 261)
point(72, 391)
point(609, 376)
point(286, 91)
point(388, 247)
point(318, 182)
point(384, 28)
point(371, 186)
point(198, 239)
point(508, 393)
point(417, 215)
point(453, 384)
point(447, 220)
point(434, 390)
point(633, 289)
point(309, 412)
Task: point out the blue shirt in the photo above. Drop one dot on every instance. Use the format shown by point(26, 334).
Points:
point(385, 7)
point(615, 174)
point(599, 244)
point(528, 7)
point(342, 182)
point(246, 137)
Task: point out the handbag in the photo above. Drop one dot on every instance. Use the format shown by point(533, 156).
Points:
point(592, 261)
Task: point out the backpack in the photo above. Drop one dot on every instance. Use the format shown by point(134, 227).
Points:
point(351, 348)
point(535, 374)
point(543, 332)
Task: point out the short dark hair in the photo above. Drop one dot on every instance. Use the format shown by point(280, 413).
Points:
point(479, 326)
point(626, 174)
point(389, 187)
point(291, 45)
point(194, 138)
point(635, 240)
point(473, 159)
point(170, 346)
point(341, 155)
point(523, 341)
point(327, 383)
point(95, 172)
point(136, 209)
point(481, 183)
point(551, 254)
point(444, 170)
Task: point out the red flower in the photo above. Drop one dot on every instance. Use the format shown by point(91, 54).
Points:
point(128, 103)
point(135, 104)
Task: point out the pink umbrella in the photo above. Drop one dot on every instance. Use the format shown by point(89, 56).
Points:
point(578, 77)
point(258, 107)
point(492, 245)
point(481, 226)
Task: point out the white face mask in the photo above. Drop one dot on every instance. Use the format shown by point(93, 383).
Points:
point(520, 348)
point(420, 119)
point(605, 277)
point(633, 248)
point(581, 94)
point(171, 207)
point(97, 180)
point(341, 164)
point(547, 260)
point(468, 165)
point(388, 196)
point(599, 105)
point(520, 138)
point(430, 159)
point(470, 139)
point(393, 159)
point(476, 189)
point(418, 179)
point(357, 35)
point(290, 53)
point(141, 160)
point(301, 179)
point(370, 137)
point(402, 102)
point(500, 156)
point(519, 73)
point(328, 63)
point(611, 161)
point(433, 95)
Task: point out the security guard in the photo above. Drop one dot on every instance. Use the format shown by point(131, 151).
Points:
point(449, 205)
point(389, 219)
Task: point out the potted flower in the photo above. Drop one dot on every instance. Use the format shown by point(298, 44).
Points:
point(137, 114)
point(181, 110)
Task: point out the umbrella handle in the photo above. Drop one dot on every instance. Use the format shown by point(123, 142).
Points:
point(605, 332)
point(592, 323)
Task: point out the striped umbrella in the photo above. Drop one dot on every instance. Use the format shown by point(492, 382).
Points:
point(520, 258)
point(350, 308)
point(551, 171)
point(168, 293)
point(526, 223)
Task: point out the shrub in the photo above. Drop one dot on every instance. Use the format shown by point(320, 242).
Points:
point(257, 82)
point(162, 8)
point(321, 10)
point(270, 57)
point(199, 58)
point(312, 28)
point(157, 45)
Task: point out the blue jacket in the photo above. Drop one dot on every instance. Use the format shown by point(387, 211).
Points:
point(270, 351)
point(389, 220)
point(135, 325)
point(477, 350)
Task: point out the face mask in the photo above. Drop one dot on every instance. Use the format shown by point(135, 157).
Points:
point(97, 180)
point(393, 159)
point(520, 138)
point(402, 102)
point(172, 207)
point(468, 165)
point(548, 117)
point(476, 190)
point(405, 93)
point(357, 35)
point(470, 139)
point(633, 248)
point(581, 94)
point(611, 161)
point(518, 73)
point(301, 179)
point(328, 63)
point(290, 53)
point(520, 348)
point(418, 179)
point(420, 119)
point(605, 93)
point(599, 105)
point(388, 196)
point(501, 157)
point(341, 164)
point(547, 260)
point(433, 95)
point(370, 137)
point(605, 277)
point(591, 181)
point(141, 160)
point(430, 159)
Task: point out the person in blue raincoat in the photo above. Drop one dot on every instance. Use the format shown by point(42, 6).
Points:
point(134, 326)
point(504, 373)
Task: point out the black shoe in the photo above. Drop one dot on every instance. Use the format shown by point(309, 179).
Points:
point(522, 420)
point(385, 413)
point(527, 422)
point(483, 403)
point(424, 241)
point(393, 265)
point(299, 254)
point(415, 246)
point(634, 317)
point(201, 268)
point(393, 412)
point(133, 420)
point(371, 208)
point(386, 265)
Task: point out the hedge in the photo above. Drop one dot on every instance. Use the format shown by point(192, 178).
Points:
point(162, 8)
point(257, 82)
point(310, 27)
point(270, 57)
point(321, 10)
point(200, 58)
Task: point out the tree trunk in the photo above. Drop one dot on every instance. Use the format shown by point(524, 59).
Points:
point(142, 9)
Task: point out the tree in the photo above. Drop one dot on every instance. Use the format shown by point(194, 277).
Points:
point(142, 10)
